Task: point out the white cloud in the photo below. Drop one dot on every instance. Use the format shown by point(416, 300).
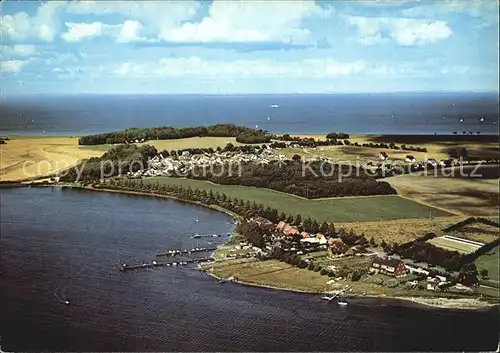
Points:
point(79, 31)
point(404, 31)
point(129, 32)
point(44, 25)
point(249, 21)
point(154, 15)
point(12, 65)
point(196, 67)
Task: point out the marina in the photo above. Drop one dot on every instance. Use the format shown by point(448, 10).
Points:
point(125, 267)
point(174, 252)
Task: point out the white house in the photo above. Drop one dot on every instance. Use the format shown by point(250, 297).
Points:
point(410, 159)
point(432, 162)
point(383, 156)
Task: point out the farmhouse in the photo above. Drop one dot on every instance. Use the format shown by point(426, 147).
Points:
point(289, 230)
point(410, 159)
point(281, 225)
point(388, 266)
point(383, 156)
point(336, 246)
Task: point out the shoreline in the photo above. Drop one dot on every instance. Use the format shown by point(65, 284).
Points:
point(428, 302)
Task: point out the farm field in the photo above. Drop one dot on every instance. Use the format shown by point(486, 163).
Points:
point(449, 243)
point(437, 146)
point(464, 196)
point(490, 262)
point(24, 157)
point(478, 232)
point(401, 231)
point(348, 209)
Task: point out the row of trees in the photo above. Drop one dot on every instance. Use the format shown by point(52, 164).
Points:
point(167, 133)
point(312, 180)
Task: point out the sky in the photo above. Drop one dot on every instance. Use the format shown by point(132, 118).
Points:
point(246, 47)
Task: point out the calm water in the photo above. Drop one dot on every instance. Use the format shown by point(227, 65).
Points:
point(352, 113)
point(70, 242)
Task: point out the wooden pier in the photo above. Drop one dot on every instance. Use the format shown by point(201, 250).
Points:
point(154, 264)
point(185, 252)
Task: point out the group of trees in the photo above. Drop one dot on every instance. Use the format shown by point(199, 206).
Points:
point(118, 160)
point(168, 133)
point(253, 137)
point(314, 180)
point(426, 252)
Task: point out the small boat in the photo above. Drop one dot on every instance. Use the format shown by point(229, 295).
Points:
point(461, 120)
point(268, 118)
point(275, 106)
point(327, 298)
point(482, 119)
point(342, 303)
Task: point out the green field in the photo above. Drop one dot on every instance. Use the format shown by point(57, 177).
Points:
point(370, 208)
point(489, 261)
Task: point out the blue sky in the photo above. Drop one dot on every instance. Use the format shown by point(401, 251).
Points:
point(248, 46)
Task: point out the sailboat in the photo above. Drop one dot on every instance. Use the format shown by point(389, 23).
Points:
point(325, 297)
point(482, 119)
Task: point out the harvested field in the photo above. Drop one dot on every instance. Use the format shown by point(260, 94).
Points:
point(465, 196)
point(401, 231)
point(463, 246)
point(478, 232)
point(26, 157)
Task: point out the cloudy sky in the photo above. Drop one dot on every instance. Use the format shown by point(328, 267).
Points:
point(249, 46)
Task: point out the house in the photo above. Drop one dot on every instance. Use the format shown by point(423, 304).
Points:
point(388, 266)
point(322, 239)
point(432, 283)
point(432, 162)
point(310, 241)
point(305, 235)
point(289, 230)
point(383, 156)
point(416, 270)
point(336, 247)
point(410, 159)
point(281, 225)
point(185, 154)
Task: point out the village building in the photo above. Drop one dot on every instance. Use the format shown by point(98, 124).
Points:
point(281, 225)
point(289, 230)
point(336, 247)
point(410, 159)
point(388, 266)
point(432, 162)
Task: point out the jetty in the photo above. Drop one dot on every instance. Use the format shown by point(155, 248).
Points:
point(174, 252)
point(126, 267)
point(198, 236)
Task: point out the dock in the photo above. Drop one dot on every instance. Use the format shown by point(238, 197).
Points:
point(174, 252)
point(126, 267)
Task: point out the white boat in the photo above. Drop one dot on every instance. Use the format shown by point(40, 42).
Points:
point(275, 106)
point(327, 298)
point(462, 120)
point(482, 119)
point(342, 303)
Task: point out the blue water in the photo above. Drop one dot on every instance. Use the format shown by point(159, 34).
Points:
point(417, 113)
point(72, 241)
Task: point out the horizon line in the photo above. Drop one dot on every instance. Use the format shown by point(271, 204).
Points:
point(4, 95)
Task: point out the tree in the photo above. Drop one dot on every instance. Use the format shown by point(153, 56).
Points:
point(296, 158)
point(282, 217)
point(323, 228)
point(484, 273)
point(311, 266)
point(356, 276)
point(298, 219)
point(383, 244)
point(289, 219)
point(372, 241)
